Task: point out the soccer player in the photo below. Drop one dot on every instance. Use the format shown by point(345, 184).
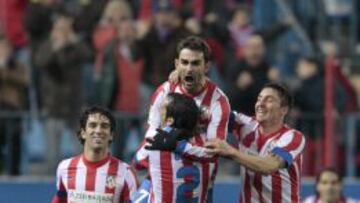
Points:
point(270, 152)
point(329, 188)
point(174, 178)
point(189, 78)
point(95, 175)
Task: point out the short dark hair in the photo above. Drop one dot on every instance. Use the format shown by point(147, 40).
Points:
point(285, 96)
point(196, 44)
point(183, 110)
point(87, 111)
point(330, 170)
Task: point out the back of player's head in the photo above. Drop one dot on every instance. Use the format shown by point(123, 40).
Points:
point(183, 110)
point(195, 44)
point(87, 111)
point(284, 94)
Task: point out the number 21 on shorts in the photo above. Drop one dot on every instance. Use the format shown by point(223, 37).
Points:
point(191, 176)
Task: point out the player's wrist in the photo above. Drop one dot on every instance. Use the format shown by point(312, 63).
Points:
point(232, 152)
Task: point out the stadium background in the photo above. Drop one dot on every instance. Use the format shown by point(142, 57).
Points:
point(324, 31)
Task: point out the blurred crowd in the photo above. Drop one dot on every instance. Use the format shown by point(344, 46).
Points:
point(58, 55)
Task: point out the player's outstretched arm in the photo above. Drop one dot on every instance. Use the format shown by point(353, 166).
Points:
point(265, 165)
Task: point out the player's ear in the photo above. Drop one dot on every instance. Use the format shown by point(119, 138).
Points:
point(82, 133)
point(285, 110)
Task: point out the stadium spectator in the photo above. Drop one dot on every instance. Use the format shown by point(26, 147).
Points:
point(329, 188)
point(179, 115)
point(241, 29)
point(189, 78)
point(249, 75)
point(309, 108)
point(120, 82)
point(60, 59)
point(14, 81)
point(38, 21)
point(309, 96)
point(159, 44)
point(95, 174)
point(86, 16)
point(270, 152)
point(114, 13)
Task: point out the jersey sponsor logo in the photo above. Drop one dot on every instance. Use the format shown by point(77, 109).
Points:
point(89, 197)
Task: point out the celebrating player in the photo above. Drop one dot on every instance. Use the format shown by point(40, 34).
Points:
point(95, 175)
point(174, 178)
point(269, 151)
point(191, 65)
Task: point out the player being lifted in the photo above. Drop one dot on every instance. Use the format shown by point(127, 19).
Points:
point(171, 173)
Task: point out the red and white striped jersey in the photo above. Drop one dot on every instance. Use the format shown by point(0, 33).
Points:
point(108, 181)
point(315, 199)
point(189, 171)
point(282, 185)
point(214, 120)
point(176, 178)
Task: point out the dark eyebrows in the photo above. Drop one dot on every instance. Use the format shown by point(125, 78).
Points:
point(193, 62)
point(94, 123)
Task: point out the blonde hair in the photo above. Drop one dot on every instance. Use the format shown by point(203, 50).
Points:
point(116, 6)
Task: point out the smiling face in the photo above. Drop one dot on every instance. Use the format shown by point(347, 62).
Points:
point(192, 69)
point(97, 133)
point(268, 107)
point(329, 187)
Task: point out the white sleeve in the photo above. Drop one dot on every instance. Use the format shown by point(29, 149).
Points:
point(154, 119)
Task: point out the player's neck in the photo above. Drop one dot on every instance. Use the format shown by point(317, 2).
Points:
point(327, 200)
point(270, 128)
point(95, 155)
point(197, 89)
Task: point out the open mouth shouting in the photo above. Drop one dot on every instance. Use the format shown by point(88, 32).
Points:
point(189, 81)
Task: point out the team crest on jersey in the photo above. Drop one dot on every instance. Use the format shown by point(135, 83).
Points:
point(205, 116)
point(205, 113)
point(110, 181)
